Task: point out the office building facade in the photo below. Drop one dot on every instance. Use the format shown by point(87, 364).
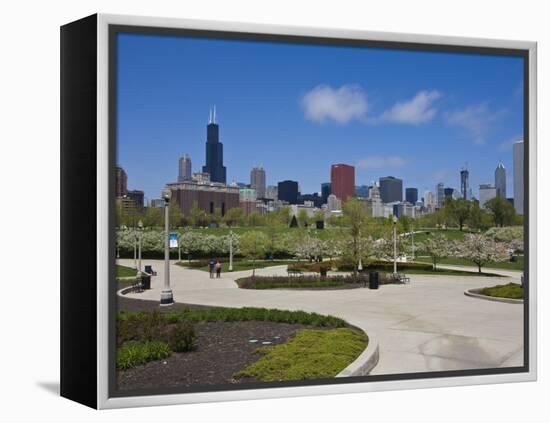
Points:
point(121, 182)
point(465, 184)
point(486, 193)
point(342, 180)
point(257, 181)
point(207, 196)
point(391, 189)
point(184, 168)
point(288, 191)
point(325, 191)
point(500, 180)
point(411, 195)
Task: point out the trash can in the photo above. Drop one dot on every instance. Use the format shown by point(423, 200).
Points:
point(323, 271)
point(373, 280)
point(149, 269)
point(145, 281)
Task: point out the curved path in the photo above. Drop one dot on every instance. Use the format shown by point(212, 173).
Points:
point(427, 325)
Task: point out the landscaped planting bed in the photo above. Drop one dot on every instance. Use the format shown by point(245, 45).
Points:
point(511, 290)
point(189, 345)
point(301, 282)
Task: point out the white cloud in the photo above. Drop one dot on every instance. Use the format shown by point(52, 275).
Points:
point(377, 162)
point(477, 120)
point(414, 111)
point(324, 103)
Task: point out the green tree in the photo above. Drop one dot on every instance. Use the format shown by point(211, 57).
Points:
point(303, 218)
point(174, 214)
point(234, 217)
point(273, 230)
point(197, 216)
point(437, 247)
point(355, 218)
point(502, 210)
point(457, 211)
point(255, 219)
point(216, 217)
point(285, 215)
point(252, 245)
point(154, 217)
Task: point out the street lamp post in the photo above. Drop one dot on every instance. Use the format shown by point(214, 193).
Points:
point(140, 229)
point(394, 244)
point(230, 251)
point(135, 248)
point(166, 296)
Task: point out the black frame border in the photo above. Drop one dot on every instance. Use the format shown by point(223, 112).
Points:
point(115, 29)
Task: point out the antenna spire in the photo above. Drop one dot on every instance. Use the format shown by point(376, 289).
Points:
point(214, 121)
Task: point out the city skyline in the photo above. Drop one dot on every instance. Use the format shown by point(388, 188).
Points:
point(381, 126)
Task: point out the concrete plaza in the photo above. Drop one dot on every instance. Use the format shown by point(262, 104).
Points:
point(427, 325)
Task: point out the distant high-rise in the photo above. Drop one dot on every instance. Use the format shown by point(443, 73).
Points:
point(411, 195)
point(271, 192)
point(184, 168)
point(486, 193)
point(137, 196)
point(288, 191)
point(500, 180)
point(342, 180)
point(334, 203)
point(440, 194)
point(214, 151)
point(362, 191)
point(465, 184)
point(518, 176)
point(325, 191)
point(121, 182)
point(428, 200)
point(257, 181)
point(391, 189)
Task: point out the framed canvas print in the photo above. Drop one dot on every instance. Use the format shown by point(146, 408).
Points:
point(254, 211)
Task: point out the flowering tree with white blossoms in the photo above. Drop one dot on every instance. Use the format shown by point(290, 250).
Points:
point(438, 247)
point(481, 250)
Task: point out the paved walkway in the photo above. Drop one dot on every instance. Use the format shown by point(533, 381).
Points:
point(427, 325)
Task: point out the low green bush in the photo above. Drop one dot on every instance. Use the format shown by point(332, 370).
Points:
point(136, 353)
point(182, 337)
point(271, 282)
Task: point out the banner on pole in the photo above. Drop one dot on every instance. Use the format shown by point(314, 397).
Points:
point(173, 240)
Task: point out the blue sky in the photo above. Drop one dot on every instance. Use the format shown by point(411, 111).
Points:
point(296, 109)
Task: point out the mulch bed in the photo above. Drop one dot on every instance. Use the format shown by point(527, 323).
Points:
point(223, 349)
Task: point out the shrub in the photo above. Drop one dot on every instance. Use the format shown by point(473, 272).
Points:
point(182, 337)
point(385, 265)
point(134, 354)
point(511, 290)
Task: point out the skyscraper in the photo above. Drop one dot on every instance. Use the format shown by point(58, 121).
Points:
point(325, 191)
point(465, 184)
point(288, 191)
point(342, 180)
point(500, 180)
point(271, 192)
point(439, 194)
point(184, 168)
point(391, 189)
point(362, 191)
point(518, 176)
point(214, 151)
point(257, 181)
point(121, 182)
point(411, 195)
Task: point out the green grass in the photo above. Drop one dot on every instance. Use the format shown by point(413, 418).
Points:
point(438, 272)
point(451, 234)
point(511, 290)
point(239, 265)
point(125, 272)
point(505, 265)
point(310, 354)
point(134, 354)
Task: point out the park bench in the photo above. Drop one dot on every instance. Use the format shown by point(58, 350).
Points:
point(137, 286)
point(400, 277)
point(294, 272)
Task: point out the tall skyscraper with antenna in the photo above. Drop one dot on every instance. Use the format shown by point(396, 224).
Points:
point(214, 151)
point(465, 183)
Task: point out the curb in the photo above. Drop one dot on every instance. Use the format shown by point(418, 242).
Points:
point(366, 361)
point(475, 293)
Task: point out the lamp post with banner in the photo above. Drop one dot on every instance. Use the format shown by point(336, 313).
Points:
point(166, 296)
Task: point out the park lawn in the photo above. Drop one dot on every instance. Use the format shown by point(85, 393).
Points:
point(239, 265)
point(438, 272)
point(451, 234)
point(511, 290)
point(311, 354)
point(506, 265)
point(125, 271)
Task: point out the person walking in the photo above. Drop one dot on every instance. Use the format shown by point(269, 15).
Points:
point(218, 268)
point(211, 265)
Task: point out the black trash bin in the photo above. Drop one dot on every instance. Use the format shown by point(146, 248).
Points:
point(149, 269)
point(373, 280)
point(145, 281)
